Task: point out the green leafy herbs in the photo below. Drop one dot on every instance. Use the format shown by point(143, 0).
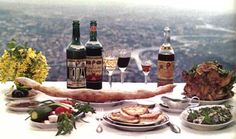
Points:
point(228, 106)
point(17, 49)
point(210, 116)
point(82, 107)
point(65, 124)
point(222, 72)
point(192, 70)
point(228, 88)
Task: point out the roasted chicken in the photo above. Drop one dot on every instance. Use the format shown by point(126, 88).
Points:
point(209, 81)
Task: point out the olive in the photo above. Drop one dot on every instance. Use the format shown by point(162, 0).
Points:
point(26, 92)
point(19, 93)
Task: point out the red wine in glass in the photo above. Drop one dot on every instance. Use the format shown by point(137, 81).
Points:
point(122, 63)
point(146, 67)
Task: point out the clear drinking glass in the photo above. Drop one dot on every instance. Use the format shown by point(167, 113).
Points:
point(123, 62)
point(146, 67)
point(110, 62)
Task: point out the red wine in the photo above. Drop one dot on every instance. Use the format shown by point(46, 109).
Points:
point(123, 62)
point(146, 67)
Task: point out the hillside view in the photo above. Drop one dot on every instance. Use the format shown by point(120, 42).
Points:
point(197, 36)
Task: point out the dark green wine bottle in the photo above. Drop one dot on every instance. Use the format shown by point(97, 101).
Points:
point(94, 61)
point(76, 60)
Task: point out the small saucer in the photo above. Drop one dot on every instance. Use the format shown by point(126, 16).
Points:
point(32, 95)
point(148, 103)
point(22, 105)
point(164, 107)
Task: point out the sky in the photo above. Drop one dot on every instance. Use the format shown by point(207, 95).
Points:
point(221, 6)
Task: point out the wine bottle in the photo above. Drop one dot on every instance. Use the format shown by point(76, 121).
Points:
point(166, 61)
point(76, 60)
point(94, 60)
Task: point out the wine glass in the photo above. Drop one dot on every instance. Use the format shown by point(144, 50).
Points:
point(146, 67)
point(123, 61)
point(110, 62)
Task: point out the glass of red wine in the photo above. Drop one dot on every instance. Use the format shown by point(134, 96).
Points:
point(123, 62)
point(146, 67)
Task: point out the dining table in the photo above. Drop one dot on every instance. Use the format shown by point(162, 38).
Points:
point(13, 124)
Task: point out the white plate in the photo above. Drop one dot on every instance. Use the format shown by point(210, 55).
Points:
point(11, 105)
point(105, 104)
point(145, 102)
point(157, 121)
point(204, 102)
point(170, 109)
point(32, 95)
point(136, 128)
point(43, 125)
point(184, 116)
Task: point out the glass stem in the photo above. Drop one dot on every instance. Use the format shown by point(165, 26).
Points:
point(122, 77)
point(145, 77)
point(110, 80)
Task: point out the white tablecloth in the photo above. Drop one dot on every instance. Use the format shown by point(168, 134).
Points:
point(14, 126)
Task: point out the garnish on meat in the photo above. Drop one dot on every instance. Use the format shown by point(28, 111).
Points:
point(209, 81)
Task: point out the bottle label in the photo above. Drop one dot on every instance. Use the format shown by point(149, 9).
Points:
point(77, 46)
point(93, 28)
point(76, 73)
point(94, 68)
point(166, 48)
point(165, 70)
point(162, 82)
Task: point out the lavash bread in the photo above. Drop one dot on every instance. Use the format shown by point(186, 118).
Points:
point(135, 110)
point(150, 117)
point(117, 116)
point(136, 114)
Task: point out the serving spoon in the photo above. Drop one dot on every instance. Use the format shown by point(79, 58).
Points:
point(174, 128)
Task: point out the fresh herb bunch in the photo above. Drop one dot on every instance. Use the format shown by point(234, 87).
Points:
point(20, 60)
point(65, 124)
point(217, 65)
point(66, 121)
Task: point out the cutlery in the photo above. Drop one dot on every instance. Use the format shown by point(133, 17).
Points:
point(99, 118)
point(174, 127)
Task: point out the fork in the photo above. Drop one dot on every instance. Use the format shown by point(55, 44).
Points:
point(99, 118)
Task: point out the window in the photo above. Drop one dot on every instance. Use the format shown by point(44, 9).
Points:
point(201, 30)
